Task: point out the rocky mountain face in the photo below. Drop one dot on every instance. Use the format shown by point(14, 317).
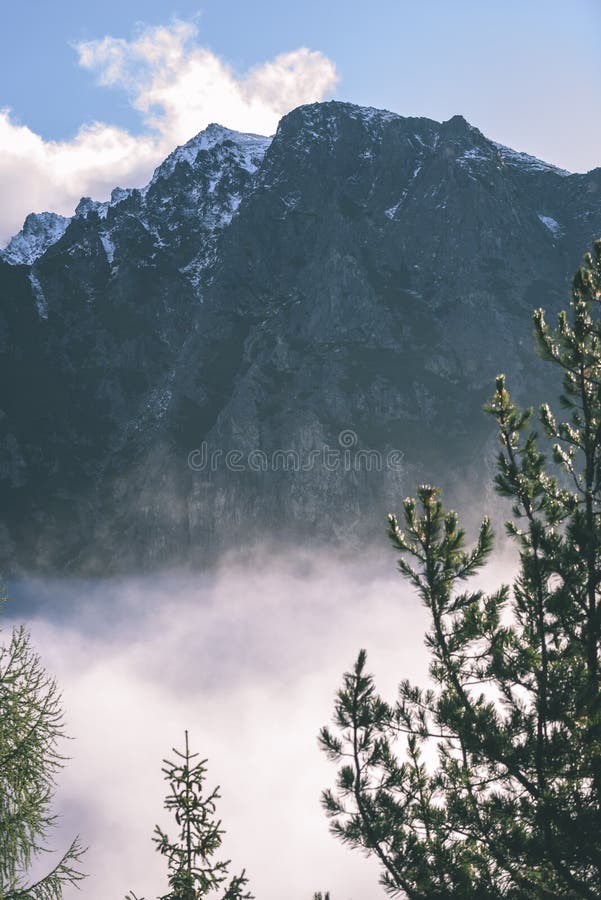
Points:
point(276, 337)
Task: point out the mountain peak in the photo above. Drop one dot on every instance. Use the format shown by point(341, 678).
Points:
point(325, 114)
point(40, 231)
point(458, 123)
point(87, 205)
point(219, 150)
point(118, 194)
point(373, 273)
point(210, 137)
point(458, 130)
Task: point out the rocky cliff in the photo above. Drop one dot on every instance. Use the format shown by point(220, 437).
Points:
point(274, 337)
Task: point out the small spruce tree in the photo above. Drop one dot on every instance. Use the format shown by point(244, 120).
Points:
point(31, 728)
point(192, 871)
point(512, 806)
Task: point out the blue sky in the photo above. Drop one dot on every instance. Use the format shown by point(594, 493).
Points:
point(526, 74)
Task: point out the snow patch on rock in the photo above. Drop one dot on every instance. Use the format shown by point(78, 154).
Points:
point(475, 154)
point(392, 210)
point(249, 150)
point(38, 296)
point(552, 225)
point(86, 206)
point(119, 194)
point(369, 115)
point(525, 161)
point(40, 231)
point(109, 247)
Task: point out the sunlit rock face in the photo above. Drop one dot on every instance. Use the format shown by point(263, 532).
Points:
point(329, 307)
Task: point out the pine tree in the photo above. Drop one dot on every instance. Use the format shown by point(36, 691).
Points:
point(31, 727)
point(488, 784)
point(192, 871)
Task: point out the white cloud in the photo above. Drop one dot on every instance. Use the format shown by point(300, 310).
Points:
point(178, 87)
point(38, 175)
point(174, 82)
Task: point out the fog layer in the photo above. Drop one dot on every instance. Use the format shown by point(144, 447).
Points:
point(248, 660)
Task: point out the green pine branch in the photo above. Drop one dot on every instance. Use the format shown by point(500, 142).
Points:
point(488, 783)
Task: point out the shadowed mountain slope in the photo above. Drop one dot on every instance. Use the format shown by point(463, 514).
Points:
point(355, 283)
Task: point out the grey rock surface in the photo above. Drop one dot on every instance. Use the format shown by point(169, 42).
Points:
point(350, 287)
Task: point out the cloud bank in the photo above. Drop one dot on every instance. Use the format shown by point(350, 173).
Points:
point(178, 87)
point(249, 661)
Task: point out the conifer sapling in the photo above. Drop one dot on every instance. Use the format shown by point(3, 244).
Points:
point(193, 872)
